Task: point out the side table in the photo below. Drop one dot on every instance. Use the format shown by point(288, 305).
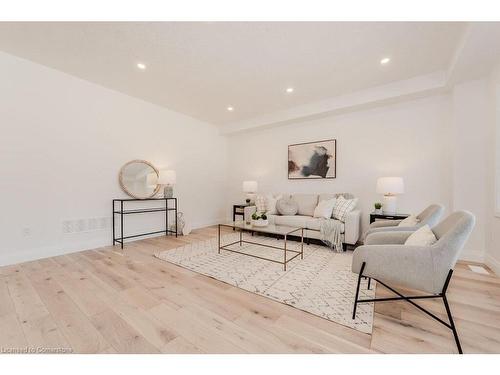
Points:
point(386, 216)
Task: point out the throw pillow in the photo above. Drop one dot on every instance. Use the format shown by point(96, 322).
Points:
point(410, 221)
point(343, 207)
point(307, 203)
point(324, 208)
point(422, 237)
point(271, 201)
point(287, 206)
point(260, 203)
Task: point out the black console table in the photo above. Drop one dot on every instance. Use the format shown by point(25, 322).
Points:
point(120, 209)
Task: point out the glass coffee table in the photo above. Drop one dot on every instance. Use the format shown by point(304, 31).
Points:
point(279, 230)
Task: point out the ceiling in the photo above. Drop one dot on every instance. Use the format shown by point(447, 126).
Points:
point(201, 68)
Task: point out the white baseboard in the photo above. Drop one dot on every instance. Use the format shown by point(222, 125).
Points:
point(493, 264)
point(55, 250)
point(50, 251)
point(209, 223)
point(472, 256)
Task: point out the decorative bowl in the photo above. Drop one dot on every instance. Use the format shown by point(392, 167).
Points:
point(260, 223)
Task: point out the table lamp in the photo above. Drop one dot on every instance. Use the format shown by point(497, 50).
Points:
point(390, 187)
point(250, 187)
point(167, 179)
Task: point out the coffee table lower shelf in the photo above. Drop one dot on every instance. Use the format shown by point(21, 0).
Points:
point(255, 229)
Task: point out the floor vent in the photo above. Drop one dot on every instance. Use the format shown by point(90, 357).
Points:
point(479, 269)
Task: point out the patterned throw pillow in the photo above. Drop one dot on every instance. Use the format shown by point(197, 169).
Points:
point(343, 207)
point(260, 203)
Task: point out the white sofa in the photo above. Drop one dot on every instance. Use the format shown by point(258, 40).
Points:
point(304, 217)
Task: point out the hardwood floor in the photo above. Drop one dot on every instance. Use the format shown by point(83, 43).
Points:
point(100, 301)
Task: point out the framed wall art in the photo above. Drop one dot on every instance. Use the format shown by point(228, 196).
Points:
point(312, 160)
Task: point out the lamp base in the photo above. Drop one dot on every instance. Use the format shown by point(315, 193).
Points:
point(168, 192)
point(390, 204)
point(250, 198)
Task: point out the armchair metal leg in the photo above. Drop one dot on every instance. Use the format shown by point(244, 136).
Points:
point(448, 312)
point(357, 290)
point(450, 325)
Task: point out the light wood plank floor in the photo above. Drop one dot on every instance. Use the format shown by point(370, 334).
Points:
point(100, 301)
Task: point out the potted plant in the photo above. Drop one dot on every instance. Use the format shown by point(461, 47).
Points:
point(259, 219)
point(378, 207)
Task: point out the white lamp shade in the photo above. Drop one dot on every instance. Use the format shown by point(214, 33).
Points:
point(390, 185)
point(167, 177)
point(250, 186)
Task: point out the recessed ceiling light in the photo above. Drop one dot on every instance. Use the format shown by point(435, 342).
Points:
point(289, 90)
point(230, 109)
point(141, 66)
point(385, 60)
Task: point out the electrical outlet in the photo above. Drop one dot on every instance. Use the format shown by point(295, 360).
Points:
point(102, 223)
point(81, 225)
point(26, 231)
point(93, 224)
point(67, 227)
point(86, 225)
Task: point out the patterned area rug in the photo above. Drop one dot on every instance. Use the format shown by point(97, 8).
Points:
point(321, 284)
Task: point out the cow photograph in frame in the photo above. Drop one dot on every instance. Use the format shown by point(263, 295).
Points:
point(312, 160)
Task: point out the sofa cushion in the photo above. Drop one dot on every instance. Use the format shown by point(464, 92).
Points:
point(306, 202)
point(272, 218)
point(315, 224)
point(287, 206)
point(301, 221)
point(292, 220)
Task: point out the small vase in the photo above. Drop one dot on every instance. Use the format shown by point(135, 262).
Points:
point(168, 192)
point(180, 224)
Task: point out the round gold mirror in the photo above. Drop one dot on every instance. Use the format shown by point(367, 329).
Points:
point(139, 179)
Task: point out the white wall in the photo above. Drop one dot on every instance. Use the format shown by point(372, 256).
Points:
point(410, 139)
point(470, 137)
point(492, 257)
point(62, 143)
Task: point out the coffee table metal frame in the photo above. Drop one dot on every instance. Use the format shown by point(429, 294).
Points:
point(247, 228)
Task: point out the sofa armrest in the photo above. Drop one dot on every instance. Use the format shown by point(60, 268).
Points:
point(352, 227)
point(248, 212)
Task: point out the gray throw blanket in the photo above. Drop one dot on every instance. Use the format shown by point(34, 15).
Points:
point(331, 235)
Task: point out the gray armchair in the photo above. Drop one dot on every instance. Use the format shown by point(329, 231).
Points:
point(386, 259)
point(430, 216)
